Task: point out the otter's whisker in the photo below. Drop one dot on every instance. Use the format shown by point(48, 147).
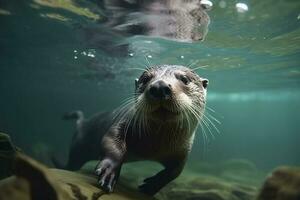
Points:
point(209, 129)
point(146, 120)
point(213, 118)
point(192, 63)
point(137, 117)
point(205, 138)
point(199, 67)
point(188, 121)
point(209, 121)
point(135, 68)
point(203, 122)
point(210, 109)
point(147, 61)
point(123, 109)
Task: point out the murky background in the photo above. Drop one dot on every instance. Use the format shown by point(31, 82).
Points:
point(49, 65)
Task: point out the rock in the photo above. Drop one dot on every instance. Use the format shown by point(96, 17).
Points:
point(32, 180)
point(7, 153)
point(205, 187)
point(282, 184)
point(190, 185)
point(241, 171)
point(35, 181)
point(234, 170)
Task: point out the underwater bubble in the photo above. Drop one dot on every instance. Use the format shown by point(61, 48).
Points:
point(131, 54)
point(298, 17)
point(222, 4)
point(75, 51)
point(241, 7)
point(252, 17)
point(182, 57)
point(91, 55)
point(84, 53)
point(149, 56)
point(75, 57)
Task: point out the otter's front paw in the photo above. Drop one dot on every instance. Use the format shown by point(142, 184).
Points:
point(108, 173)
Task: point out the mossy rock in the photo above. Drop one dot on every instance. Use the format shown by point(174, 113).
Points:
point(33, 180)
point(282, 184)
point(192, 186)
point(234, 170)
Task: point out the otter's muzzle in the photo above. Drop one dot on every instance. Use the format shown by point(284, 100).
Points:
point(159, 90)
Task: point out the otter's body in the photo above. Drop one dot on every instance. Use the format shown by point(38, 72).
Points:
point(158, 124)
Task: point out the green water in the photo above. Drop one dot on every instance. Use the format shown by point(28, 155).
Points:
point(251, 59)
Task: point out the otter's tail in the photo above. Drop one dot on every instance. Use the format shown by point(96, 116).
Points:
point(78, 115)
point(74, 115)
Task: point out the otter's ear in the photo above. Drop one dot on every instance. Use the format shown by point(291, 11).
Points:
point(206, 4)
point(205, 82)
point(136, 82)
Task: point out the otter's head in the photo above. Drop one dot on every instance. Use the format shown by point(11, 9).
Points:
point(170, 93)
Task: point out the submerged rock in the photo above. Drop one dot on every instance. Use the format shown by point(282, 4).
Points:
point(7, 154)
point(282, 184)
point(207, 188)
point(234, 170)
point(192, 184)
point(241, 171)
point(229, 180)
point(34, 181)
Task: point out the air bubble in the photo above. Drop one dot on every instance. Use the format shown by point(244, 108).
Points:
point(241, 7)
point(222, 4)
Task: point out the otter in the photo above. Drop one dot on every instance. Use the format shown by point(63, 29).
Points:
point(158, 124)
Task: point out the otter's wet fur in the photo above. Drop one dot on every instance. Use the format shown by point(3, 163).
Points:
point(158, 123)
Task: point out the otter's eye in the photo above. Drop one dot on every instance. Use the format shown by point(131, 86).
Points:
point(184, 79)
point(145, 79)
point(205, 83)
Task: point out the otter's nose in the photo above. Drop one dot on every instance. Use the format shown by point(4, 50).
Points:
point(160, 90)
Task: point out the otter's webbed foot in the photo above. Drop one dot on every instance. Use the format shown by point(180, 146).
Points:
point(153, 184)
point(150, 186)
point(108, 172)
